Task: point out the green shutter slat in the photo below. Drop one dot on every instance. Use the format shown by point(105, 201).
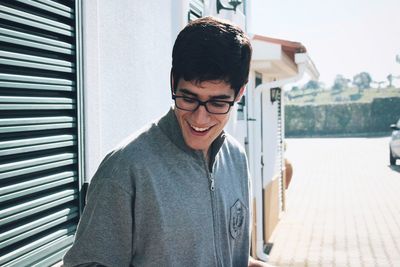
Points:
point(36, 62)
point(26, 149)
point(36, 210)
point(35, 79)
point(38, 181)
point(35, 165)
point(55, 5)
point(36, 124)
point(32, 20)
point(39, 127)
point(32, 103)
point(35, 59)
point(196, 9)
point(30, 40)
point(19, 150)
point(35, 202)
point(36, 86)
point(49, 8)
point(27, 64)
point(35, 244)
point(54, 258)
point(43, 167)
point(31, 228)
point(192, 16)
point(35, 141)
point(45, 255)
point(36, 39)
point(40, 142)
point(36, 189)
point(199, 4)
point(35, 120)
point(32, 100)
point(38, 83)
point(34, 106)
point(35, 161)
point(196, 12)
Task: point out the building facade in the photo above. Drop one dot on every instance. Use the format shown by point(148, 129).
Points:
point(77, 77)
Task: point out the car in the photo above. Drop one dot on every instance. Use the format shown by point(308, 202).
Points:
point(394, 145)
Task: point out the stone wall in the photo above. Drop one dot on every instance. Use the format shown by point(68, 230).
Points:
point(342, 119)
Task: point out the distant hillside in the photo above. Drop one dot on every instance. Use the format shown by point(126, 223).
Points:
point(348, 95)
point(345, 117)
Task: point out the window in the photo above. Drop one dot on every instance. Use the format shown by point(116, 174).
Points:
point(196, 9)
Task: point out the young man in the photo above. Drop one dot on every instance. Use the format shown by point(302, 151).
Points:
point(177, 193)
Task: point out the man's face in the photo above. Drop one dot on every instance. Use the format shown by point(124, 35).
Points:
point(200, 128)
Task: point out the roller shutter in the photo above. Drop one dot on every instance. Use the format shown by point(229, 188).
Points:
point(40, 140)
point(196, 9)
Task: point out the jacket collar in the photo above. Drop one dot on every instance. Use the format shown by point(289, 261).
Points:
point(170, 127)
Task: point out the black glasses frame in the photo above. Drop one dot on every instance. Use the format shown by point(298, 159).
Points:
point(204, 103)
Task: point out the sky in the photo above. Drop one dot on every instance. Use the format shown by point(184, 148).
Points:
point(341, 36)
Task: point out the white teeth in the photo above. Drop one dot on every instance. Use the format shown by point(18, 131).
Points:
point(199, 129)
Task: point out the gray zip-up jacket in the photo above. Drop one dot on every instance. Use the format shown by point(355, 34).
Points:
point(155, 202)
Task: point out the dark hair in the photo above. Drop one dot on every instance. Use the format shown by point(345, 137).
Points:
point(212, 49)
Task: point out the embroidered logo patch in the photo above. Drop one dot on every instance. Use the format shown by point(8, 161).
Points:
point(238, 213)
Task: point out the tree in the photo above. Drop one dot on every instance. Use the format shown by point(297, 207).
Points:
point(295, 89)
point(311, 84)
point(362, 80)
point(390, 80)
point(340, 83)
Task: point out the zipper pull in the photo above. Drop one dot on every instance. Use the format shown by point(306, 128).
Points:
point(212, 186)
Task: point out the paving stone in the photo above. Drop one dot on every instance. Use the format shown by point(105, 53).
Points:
point(343, 205)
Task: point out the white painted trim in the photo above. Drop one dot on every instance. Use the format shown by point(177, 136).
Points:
point(92, 86)
point(303, 64)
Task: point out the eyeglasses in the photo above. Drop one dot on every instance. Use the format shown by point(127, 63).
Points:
point(212, 106)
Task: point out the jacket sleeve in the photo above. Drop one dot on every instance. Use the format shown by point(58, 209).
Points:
point(105, 231)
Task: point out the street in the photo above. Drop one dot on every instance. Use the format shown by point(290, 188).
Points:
point(343, 205)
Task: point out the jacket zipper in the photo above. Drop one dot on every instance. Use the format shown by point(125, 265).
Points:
point(214, 211)
point(212, 182)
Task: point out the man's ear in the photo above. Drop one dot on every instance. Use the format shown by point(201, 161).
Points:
point(241, 93)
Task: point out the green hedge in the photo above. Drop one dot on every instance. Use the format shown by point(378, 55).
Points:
point(339, 119)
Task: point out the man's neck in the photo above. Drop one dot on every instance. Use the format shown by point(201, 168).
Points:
point(206, 154)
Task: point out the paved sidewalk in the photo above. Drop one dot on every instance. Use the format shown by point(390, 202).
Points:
point(343, 205)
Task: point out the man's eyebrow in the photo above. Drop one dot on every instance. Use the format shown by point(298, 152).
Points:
point(187, 92)
point(220, 97)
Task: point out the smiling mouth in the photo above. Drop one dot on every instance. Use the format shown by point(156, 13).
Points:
point(198, 129)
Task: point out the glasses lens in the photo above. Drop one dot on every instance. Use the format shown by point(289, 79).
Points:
point(191, 104)
point(186, 103)
point(218, 107)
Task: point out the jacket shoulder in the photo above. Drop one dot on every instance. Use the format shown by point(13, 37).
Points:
point(234, 145)
point(118, 164)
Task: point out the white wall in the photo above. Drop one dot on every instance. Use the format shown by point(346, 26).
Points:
point(127, 59)
point(270, 138)
point(262, 132)
point(253, 130)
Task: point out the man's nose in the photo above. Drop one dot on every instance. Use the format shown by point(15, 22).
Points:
point(201, 115)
